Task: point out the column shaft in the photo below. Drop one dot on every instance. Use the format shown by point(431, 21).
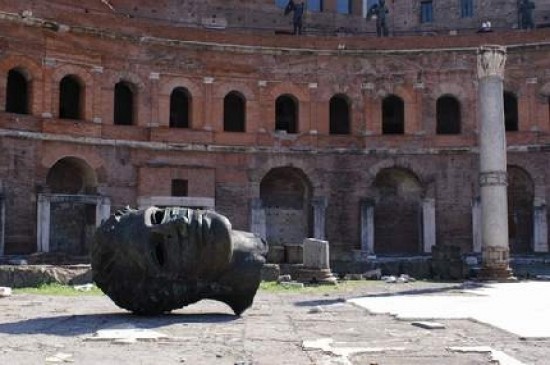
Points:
point(492, 165)
point(367, 226)
point(319, 211)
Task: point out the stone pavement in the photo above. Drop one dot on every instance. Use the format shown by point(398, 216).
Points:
point(317, 327)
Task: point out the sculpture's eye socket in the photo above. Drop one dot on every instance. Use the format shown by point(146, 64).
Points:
point(157, 216)
point(159, 251)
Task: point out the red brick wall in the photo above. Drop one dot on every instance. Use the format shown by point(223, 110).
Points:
point(133, 161)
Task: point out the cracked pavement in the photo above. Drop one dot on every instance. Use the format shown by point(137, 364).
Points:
point(275, 330)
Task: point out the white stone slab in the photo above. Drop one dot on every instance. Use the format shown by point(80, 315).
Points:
point(498, 357)
point(520, 308)
point(60, 358)
point(126, 335)
point(5, 292)
point(429, 325)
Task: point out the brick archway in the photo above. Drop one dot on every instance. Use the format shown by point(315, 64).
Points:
point(397, 212)
point(285, 194)
point(70, 209)
point(521, 196)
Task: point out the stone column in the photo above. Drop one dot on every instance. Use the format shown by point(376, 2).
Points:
point(257, 218)
point(43, 222)
point(428, 224)
point(102, 210)
point(476, 224)
point(319, 210)
point(154, 78)
point(316, 254)
point(492, 164)
point(2, 225)
point(540, 223)
point(367, 226)
point(313, 127)
point(316, 267)
point(207, 108)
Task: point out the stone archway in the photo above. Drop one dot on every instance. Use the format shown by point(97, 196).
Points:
point(285, 194)
point(69, 210)
point(520, 210)
point(397, 212)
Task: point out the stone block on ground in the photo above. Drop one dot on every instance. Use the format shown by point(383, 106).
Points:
point(284, 279)
point(22, 276)
point(375, 274)
point(5, 292)
point(276, 254)
point(270, 272)
point(316, 254)
point(294, 253)
point(292, 284)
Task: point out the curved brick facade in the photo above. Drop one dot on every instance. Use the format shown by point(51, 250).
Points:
point(425, 176)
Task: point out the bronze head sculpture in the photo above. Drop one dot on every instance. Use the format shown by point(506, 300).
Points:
point(156, 260)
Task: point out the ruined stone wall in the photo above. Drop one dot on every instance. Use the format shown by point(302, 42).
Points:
point(141, 160)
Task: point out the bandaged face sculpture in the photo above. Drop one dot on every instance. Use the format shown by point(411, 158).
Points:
point(159, 259)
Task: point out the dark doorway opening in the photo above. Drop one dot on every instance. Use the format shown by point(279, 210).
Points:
point(286, 197)
point(397, 212)
point(520, 210)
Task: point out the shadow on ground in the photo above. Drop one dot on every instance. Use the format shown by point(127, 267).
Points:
point(74, 325)
point(420, 291)
point(313, 303)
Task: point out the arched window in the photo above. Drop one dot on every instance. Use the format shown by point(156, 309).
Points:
point(510, 112)
point(17, 93)
point(70, 98)
point(339, 122)
point(234, 114)
point(124, 104)
point(286, 114)
point(448, 115)
point(393, 115)
point(180, 108)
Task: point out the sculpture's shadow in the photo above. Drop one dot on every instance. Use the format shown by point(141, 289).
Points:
point(87, 324)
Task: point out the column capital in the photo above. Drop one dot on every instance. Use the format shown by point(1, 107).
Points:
point(490, 61)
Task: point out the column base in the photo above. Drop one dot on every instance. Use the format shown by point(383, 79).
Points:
point(496, 274)
point(495, 264)
point(315, 276)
